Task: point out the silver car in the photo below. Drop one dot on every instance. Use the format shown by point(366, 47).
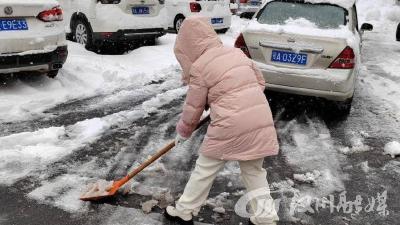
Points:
point(247, 8)
point(310, 49)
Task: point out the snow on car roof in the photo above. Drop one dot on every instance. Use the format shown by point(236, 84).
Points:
point(342, 3)
point(28, 2)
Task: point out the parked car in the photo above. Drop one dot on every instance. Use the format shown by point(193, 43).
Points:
point(94, 23)
point(303, 48)
point(32, 37)
point(398, 33)
point(218, 11)
point(247, 8)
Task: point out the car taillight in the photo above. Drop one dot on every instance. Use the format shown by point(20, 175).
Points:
point(195, 7)
point(346, 60)
point(54, 14)
point(109, 1)
point(240, 43)
point(243, 1)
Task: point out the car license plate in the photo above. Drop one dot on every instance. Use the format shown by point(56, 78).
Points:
point(255, 3)
point(13, 24)
point(217, 20)
point(141, 10)
point(289, 57)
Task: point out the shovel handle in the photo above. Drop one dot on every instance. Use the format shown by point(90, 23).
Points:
point(153, 158)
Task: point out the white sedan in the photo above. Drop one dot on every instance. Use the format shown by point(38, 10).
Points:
point(306, 48)
point(32, 36)
point(218, 11)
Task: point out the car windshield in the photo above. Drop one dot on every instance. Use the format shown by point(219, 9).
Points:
point(324, 16)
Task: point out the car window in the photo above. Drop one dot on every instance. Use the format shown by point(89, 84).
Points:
point(322, 15)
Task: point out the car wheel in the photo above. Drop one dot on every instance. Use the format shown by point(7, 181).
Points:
point(398, 33)
point(222, 31)
point(150, 42)
point(83, 34)
point(52, 73)
point(247, 15)
point(178, 23)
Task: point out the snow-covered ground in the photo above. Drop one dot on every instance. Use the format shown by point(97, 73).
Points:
point(104, 114)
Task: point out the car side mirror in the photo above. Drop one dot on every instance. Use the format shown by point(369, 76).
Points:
point(367, 27)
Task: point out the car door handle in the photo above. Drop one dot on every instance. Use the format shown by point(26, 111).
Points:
point(300, 48)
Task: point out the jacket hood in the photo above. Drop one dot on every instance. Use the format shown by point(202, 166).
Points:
point(195, 37)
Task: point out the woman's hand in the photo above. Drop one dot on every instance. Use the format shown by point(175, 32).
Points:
point(179, 140)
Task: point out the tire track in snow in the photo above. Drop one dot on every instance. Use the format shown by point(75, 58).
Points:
point(53, 138)
point(92, 130)
point(98, 106)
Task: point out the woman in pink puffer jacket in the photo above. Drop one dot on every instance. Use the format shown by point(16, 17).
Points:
point(241, 127)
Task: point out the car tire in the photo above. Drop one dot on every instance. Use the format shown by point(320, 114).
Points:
point(178, 23)
point(247, 15)
point(150, 42)
point(222, 31)
point(83, 34)
point(398, 33)
point(52, 73)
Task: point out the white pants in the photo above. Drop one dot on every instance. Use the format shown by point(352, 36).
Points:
point(254, 177)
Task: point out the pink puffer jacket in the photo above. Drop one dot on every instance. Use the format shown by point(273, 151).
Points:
point(241, 125)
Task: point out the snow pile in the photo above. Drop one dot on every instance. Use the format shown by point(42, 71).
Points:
point(343, 3)
point(365, 167)
point(284, 185)
point(309, 177)
point(148, 206)
point(26, 152)
point(357, 144)
point(301, 22)
point(378, 12)
point(84, 75)
point(392, 149)
point(347, 4)
point(236, 28)
point(219, 202)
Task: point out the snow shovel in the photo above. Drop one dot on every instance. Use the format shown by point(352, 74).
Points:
point(104, 189)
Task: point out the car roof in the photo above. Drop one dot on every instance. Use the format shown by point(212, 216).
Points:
point(347, 4)
point(28, 2)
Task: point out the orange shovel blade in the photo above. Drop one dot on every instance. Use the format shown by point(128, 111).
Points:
point(102, 195)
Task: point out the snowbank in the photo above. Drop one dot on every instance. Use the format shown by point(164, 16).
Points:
point(342, 3)
point(347, 4)
point(85, 75)
point(392, 149)
point(379, 12)
point(26, 152)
